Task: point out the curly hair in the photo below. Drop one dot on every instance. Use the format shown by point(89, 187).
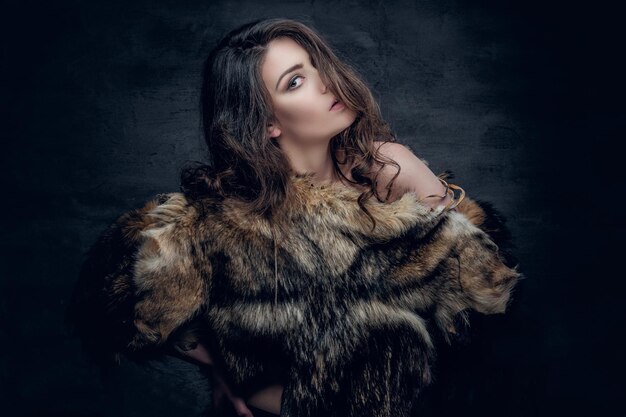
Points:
point(236, 108)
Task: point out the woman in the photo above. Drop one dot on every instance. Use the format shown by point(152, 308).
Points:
point(276, 99)
point(308, 196)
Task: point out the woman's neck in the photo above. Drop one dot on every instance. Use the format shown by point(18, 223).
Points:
point(311, 158)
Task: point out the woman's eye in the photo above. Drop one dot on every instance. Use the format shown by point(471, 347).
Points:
point(291, 82)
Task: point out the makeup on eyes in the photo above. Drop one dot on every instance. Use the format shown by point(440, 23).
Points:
point(292, 80)
point(290, 69)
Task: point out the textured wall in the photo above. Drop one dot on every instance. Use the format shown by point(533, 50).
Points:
point(101, 111)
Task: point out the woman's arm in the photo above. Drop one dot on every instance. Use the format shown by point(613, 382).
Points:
point(200, 355)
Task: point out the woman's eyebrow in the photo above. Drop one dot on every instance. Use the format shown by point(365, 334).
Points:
point(292, 68)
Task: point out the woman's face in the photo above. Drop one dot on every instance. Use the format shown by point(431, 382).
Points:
point(301, 101)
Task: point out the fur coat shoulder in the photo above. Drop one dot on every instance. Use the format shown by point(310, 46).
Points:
point(341, 313)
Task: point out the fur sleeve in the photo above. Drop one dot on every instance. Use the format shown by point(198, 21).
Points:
point(484, 215)
point(463, 264)
point(139, 282)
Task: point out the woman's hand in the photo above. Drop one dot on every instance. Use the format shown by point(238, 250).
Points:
point(220, 388)
point(201, 355)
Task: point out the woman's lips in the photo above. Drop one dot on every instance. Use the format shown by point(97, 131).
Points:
point(337, 106)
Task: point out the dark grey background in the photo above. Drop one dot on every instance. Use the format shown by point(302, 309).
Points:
point(521, 100)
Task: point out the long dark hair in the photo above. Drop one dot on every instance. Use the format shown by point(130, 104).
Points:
point(236, 108)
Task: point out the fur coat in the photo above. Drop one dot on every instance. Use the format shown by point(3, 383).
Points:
point(344, 316)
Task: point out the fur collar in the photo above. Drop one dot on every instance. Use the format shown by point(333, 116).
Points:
point(317, 293)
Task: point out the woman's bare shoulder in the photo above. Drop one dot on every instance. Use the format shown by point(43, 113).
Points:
point(414, 175)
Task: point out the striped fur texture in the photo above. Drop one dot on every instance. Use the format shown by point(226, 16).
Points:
point(344, 318)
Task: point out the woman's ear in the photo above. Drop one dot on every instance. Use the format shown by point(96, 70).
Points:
point(273, 131)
